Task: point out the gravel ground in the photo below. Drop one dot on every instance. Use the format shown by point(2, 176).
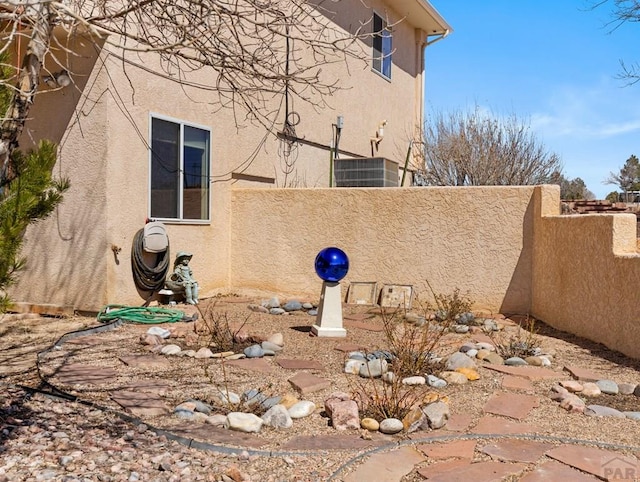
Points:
point(45, 438)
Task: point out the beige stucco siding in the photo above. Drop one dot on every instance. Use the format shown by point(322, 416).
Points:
point(586, 273)
point(475, 239)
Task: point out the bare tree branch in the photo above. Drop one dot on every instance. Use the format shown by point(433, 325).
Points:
point(254, 49)
point(473, 149)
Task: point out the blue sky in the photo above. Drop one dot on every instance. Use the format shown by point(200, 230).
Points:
point(553, 63)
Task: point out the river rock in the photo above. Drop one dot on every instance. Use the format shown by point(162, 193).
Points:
point(293, 305)
point(391, 426)
point(608, 386)
point(370, 424)
point(590, 389)
point(170, 349)
point(601, 411)
point(302, 409)
point(374, 368)
point(459, 360)
point(437, 414)
point(253, 351)
point(244, 422)
point(415, 380)
point(278, 417)
point(435, 382)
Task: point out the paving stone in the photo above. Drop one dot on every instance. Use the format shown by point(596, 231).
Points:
point(146, 361)
point(532, 373)
point(308, 383)
point(347, 347)
point(364, 325)
point(253, 364)
point(458, 448)
point(480, 471)
point(296, 364)
point(153, 386)
point(334, 442)
point(459, 422)
point(358, 316)
point(553, 470)
point(140, 403)
point(442, 468)
point(514, 405)
point(78, 374)
point(584, 374)
point(89, 340)
point(516, 383)
point(602, 463)
point(377, 467)
point(514, 450)
point(501, 426)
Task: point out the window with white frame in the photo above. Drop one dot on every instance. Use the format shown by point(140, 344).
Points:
point(180, 164)
point(381, 46)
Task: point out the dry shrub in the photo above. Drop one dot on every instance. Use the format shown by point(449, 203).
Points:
point(217, 329)
point(521, 343)
point(412, 347)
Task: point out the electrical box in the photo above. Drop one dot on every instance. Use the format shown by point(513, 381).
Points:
point(366, 172)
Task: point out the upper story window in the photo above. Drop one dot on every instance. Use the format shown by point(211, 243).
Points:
point(180, 167)
point(381, 46)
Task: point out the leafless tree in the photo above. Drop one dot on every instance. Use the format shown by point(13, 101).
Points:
point(474, 149)
point(254, 49)
point(623, 11)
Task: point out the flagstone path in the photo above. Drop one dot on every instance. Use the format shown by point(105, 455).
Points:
point(511, 446)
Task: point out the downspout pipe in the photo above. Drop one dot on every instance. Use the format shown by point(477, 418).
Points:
point(426, 44)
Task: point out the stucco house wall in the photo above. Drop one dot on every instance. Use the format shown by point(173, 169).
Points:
point(102, 126)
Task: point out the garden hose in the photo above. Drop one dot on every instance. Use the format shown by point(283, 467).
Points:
point(139, 314)
point(148, 278)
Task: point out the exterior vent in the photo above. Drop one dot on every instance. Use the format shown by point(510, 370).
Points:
point(366, 172)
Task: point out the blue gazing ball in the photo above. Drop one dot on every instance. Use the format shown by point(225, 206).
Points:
point(332, 264)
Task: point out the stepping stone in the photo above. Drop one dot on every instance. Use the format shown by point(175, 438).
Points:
point(348, 347)
point(443, 468)
point(140, 403)
point(293, 364)
point(364, 325)
point(308, 383)
point(378, 466)
point(151, 386)
point(584, 374)
point(146, 361)
point(513, 405)
point(532, 373)
point(252, 364)
point(78, 374)
point(334, 442)
point(605, 464)
point(556, 471)
point(480, 471)
point(460, 448)
point(90, 340)
point(516, 383)
point(459, 422)
point(514, 450)
point(501, 426)
point(217, 435)
point(358, 316)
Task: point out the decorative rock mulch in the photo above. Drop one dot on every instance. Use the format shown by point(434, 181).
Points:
point(568, 394)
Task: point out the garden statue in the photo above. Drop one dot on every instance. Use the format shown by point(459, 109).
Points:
point(182, 278)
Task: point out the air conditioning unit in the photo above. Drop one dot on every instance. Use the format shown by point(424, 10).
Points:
point(366, 172)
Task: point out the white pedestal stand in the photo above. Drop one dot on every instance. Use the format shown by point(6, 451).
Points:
point(329, 319)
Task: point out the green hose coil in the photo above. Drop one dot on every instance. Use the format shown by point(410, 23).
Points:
point(139, 314)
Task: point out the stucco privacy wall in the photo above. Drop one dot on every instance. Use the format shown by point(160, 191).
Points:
point(477, 239)
point(586, 273)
